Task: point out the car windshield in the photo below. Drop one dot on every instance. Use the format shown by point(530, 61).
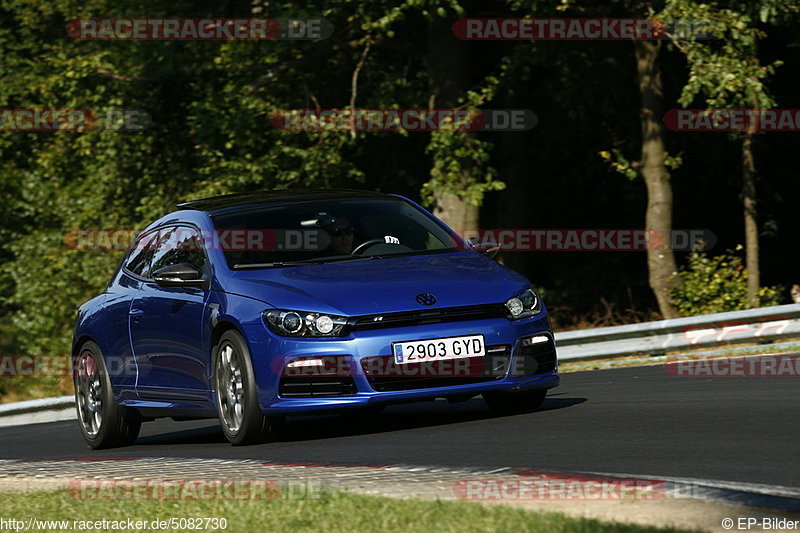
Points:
point(328, 231)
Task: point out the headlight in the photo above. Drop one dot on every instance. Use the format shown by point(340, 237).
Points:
point(524, 305)
point(302, 324)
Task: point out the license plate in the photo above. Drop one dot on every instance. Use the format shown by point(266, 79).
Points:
point(438, 349)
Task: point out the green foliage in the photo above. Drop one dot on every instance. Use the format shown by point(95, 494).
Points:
point(211, 104)
point(627, 168)
point(460, 158)
point(723, 63)
point(724, 69)
point(460, 167)
point(717, 284)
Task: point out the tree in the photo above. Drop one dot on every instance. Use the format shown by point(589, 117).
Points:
point(652, 166)
point(726, 71)
point(460, 175)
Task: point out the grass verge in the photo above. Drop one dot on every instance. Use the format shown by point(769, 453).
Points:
point(331, 512)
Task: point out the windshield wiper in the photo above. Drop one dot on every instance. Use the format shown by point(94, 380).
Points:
point(274, 264)
point(352, 259)
point(278, 264)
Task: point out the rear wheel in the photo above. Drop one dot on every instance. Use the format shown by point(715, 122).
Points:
point(236, 393)
point(103, 423)
point(515, 402)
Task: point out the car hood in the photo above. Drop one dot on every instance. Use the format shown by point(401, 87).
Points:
point(381, 285)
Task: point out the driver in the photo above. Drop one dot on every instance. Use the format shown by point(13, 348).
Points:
point(341, 233)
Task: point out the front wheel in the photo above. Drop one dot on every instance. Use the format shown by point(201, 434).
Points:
point(103, 423)
point(515, 402)
point(236, 393)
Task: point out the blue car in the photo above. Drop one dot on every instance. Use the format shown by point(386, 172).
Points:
point(252, 307)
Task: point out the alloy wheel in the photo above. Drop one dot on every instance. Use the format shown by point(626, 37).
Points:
point(230, 387)
point(90, 394)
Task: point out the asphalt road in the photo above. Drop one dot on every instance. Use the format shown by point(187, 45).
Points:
point(634, 420)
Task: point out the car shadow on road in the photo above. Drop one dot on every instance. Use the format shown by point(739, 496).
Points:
point(211, 433)
point(552, 403)
point(358, 422)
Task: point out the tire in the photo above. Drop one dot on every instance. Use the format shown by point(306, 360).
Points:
point(236, 394)
point(515, 402)
point(103, 423)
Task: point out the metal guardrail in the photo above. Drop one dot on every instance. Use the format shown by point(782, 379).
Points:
point(37, 411)
point(33, 406)
point(760, 325)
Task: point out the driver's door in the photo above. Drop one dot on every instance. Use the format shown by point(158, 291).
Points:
point(168, 324)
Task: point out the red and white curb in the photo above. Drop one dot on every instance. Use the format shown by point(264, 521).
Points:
point(395, 480)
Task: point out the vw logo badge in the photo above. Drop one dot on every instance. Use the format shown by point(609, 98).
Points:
point(426, 299)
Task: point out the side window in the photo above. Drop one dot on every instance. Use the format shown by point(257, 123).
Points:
point(141, 256)
point(180, 244)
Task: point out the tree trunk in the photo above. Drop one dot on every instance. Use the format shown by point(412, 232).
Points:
point(750, 222)
point(455, 212)
point(662, 269)
point(450, 70)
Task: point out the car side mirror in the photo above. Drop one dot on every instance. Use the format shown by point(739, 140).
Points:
point(490, 250)
point(180, 275)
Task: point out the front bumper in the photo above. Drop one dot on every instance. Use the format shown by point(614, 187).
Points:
point(270, 354)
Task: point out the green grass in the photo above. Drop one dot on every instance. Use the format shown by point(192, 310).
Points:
point(331, 512)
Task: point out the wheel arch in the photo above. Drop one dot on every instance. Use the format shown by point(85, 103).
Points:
point(80, 341)
point(219, 329)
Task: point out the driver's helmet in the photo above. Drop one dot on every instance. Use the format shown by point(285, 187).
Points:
point(334, 225)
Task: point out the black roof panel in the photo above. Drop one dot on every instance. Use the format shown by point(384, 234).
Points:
point(217, 203)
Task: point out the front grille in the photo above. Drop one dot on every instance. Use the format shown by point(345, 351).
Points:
point(535, 357)
point(428, 316)
point(384, 375)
